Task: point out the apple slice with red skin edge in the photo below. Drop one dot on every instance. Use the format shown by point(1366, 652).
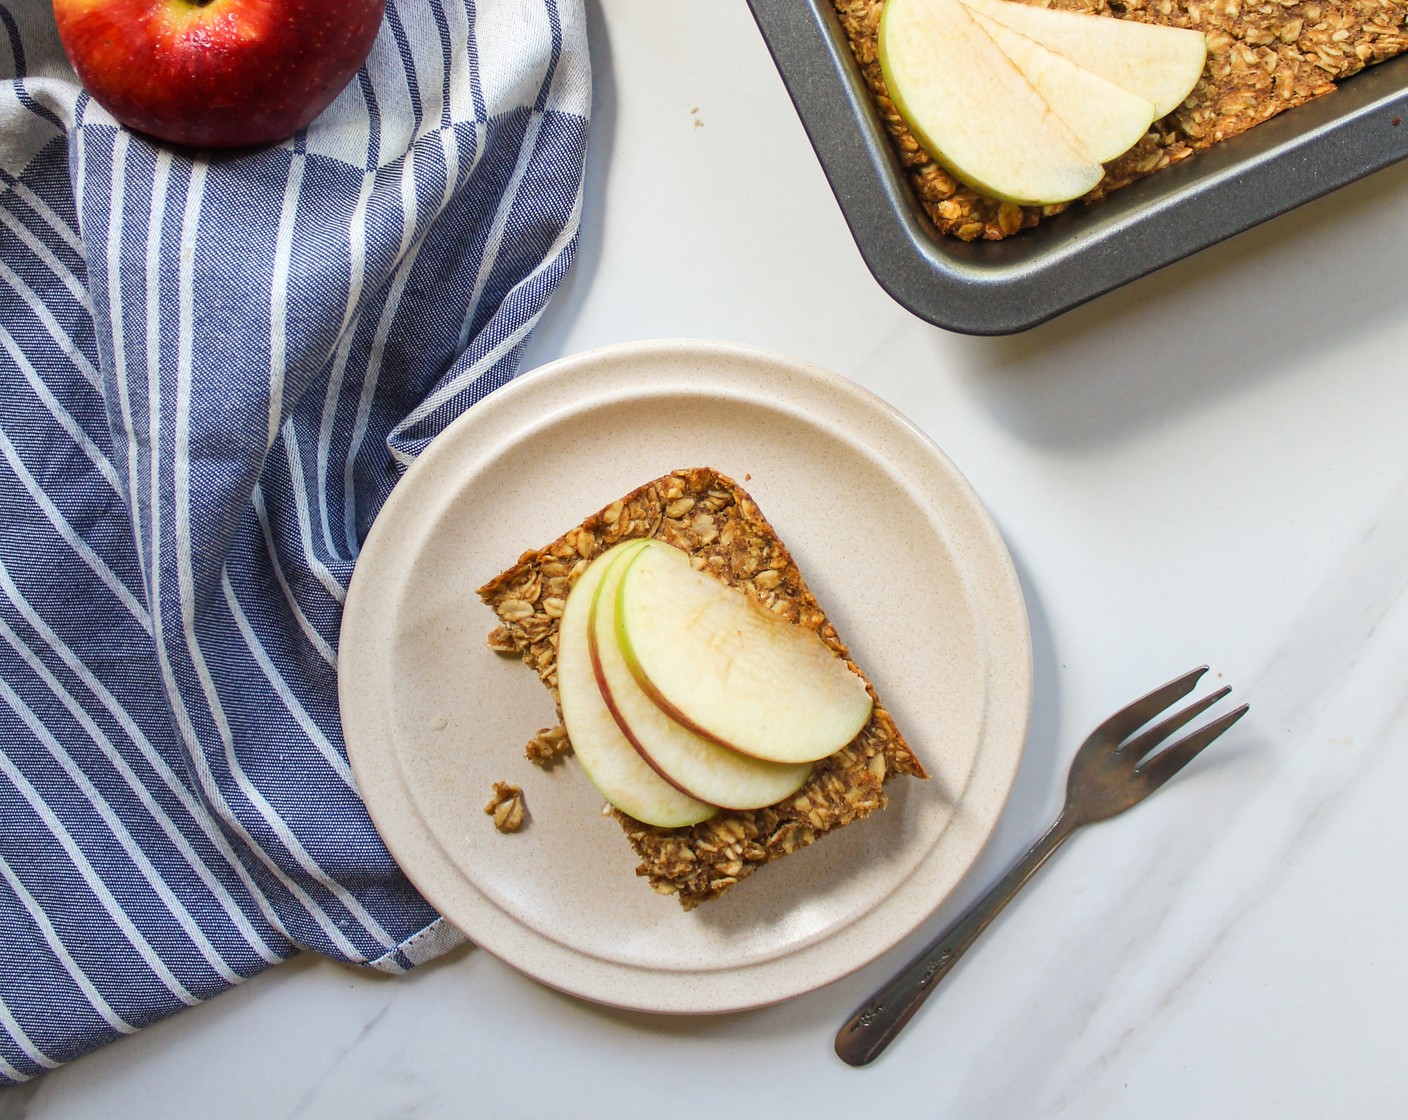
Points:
point(730, 670)
point(974, 111)
point(1158, 62)
point(611, 763)
point(692, 764)
point(1105, 117)
point(218, 73)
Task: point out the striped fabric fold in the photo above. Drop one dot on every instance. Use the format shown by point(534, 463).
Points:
point(213, 370)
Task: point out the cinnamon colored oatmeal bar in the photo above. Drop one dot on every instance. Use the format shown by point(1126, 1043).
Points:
point(1264, 56)
point(711, 518)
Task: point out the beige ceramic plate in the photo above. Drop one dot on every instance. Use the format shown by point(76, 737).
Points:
point(896, 547)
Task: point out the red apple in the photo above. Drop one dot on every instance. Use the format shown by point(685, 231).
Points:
point(218, 73)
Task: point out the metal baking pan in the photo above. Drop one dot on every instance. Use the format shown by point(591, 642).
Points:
point(1001, 287)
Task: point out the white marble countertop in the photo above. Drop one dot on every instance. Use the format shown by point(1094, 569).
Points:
point(1206, 466)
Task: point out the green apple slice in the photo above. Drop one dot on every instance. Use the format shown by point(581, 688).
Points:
point(973, 109)
point(1159, 63)
point(1106, 118)
point(689, 762)
point(612, 764)
point(729, 670)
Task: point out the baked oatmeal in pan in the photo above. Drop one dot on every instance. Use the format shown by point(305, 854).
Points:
point(1264, 56)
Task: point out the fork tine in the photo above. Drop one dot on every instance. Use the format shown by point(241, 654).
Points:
point(1130, 719)
point(1175, 757)
point(1145, 742)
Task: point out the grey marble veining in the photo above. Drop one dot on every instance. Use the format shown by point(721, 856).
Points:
point(1206, 466)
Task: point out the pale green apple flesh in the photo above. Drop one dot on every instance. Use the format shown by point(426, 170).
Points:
point(974, 111)
point(728, 669)
point(689, 762)
point(614, 766)
point(1106, 118)
point(1157, 62)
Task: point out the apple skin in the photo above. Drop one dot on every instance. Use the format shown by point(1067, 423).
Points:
point(974, 111)
point(612, 764)
point(220, 74)
point(729, 670)
point(697, 767)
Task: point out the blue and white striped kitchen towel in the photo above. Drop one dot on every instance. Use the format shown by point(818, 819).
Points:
point(212, 372)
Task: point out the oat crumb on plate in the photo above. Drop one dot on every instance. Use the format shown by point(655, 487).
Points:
point(506, 807)
point(548, 746)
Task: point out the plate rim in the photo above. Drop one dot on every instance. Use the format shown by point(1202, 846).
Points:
point(612, 983)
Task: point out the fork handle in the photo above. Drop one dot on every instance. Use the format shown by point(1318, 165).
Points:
point(875, 1024)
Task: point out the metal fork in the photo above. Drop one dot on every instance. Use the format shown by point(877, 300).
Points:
point(1114, 770)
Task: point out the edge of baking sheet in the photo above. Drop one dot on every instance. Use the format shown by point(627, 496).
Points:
point(1002, 287)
